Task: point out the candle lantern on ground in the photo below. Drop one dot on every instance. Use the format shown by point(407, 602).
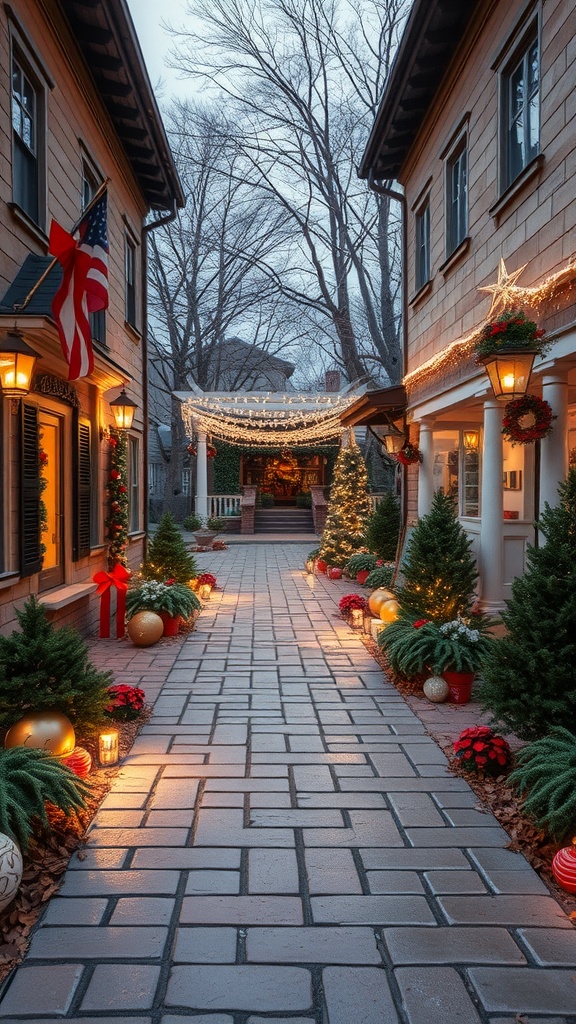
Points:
point(108, 747)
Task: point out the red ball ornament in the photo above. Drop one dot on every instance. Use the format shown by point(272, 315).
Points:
point(114, 474)
point(564, 868)
point(321, 565)
point(334, 573)
point(79, 761)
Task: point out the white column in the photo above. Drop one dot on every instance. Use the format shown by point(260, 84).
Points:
point(201, 476)
point(491, 528)
point(426, 468)
point(554, 448)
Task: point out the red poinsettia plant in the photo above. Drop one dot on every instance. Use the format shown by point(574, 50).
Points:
point(350, 601)
point(479, 750)
point(126, 702)
point(512, 330)
point(206, 577)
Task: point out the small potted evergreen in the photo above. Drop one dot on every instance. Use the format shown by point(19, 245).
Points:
point(172, 601)
point(360, 566)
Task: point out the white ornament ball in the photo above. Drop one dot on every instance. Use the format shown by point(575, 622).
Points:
point(10, 870)
point(436, 689)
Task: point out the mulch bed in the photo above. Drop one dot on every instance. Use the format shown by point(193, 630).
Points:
point(48, 855)
point(495, 794)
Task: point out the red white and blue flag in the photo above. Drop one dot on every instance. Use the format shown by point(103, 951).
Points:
point(84, 287)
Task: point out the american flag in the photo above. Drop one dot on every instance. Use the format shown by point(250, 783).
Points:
point(84, 287)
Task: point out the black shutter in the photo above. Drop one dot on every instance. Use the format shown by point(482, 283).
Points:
point(30, 557)
point(82, 487)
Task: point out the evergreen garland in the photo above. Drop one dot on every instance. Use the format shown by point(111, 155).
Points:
point(546, 771)
point(530, 676)
point(117, 490)
point(43, 668)
point(168, 557)
point(348, 508)
point(28, 779)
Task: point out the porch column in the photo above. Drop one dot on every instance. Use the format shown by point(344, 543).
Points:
point(201, 476)
point(554, 448)
point(491, 527)
point(426, 468)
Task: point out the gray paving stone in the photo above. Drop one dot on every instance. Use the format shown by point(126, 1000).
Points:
point(435, 995)
point(205, 946)
point(279, 1020)
point(499, 860)
point(551, 947)
point(121, 987)
point(348, 801)
point(175, 794)
point(312, 945)
point(446, 882)
point(245, 987)
point(451, 946)
point(242, 910)
point(517, 882)
point(332, 871)
point(541, 911)
point(414, 860)
point(212, 1018)
point(142, 910)
point(296, 818)
point(44, 990)
point(525, 989)
point(90, 860)
point(318, 778)
point(75, 911)
point(377, 910)
point(188, 857)
point(104, 942)
point(358, 994)
point(120, 883)
point(273, 871)
point(201, 882)
point(488, 836)
point(138, 836)
point(415, 809)
point(383, 882)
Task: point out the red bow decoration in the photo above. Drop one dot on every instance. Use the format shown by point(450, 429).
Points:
point(106, 580)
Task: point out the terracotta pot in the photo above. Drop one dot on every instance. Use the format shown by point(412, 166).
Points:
point(171, 623)
point(334, 573)
point(362, 576)
point(459, 685)
point(321, 565)
point(205, 538)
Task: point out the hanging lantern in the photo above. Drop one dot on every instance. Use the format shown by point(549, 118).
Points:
point(17, 362)
point(394, 440)
point(123, 409)
point(509, 373)
point(471, 440)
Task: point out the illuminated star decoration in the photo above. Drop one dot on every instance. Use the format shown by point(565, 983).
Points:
point(504, 292)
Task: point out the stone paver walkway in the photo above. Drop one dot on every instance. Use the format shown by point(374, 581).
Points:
point(284, 845)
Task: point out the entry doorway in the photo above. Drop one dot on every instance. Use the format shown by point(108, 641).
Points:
point(284, 475)
point(51, 498)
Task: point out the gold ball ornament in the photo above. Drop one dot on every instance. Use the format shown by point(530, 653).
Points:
point(10, 870)
point(43, 730)
point(436, 689)
point(145, 629)
point(377, 598)
point(389, 611)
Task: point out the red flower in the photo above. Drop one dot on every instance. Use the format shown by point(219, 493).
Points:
point(168, 583)
point(421, 622)
point(114, 474)
point(207, 577)
point(350, 601)
point(479, 749)
point(122, 489)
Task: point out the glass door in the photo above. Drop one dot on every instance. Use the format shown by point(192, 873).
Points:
point(51, 511)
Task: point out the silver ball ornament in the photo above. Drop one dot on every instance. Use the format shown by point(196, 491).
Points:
point(436, 689)
point(10, 870)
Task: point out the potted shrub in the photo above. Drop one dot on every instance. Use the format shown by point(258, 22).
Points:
point(192, 523)
point(204, 534)
point(360, 566)
point(456, 650)
point(381, 576)
point(170, 600)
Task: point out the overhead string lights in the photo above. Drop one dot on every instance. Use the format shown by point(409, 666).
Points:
point(506, 294)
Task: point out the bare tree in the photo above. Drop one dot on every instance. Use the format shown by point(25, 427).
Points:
point(301, 81)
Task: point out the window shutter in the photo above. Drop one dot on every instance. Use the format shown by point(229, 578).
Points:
point(82, 487)
point(30, 557)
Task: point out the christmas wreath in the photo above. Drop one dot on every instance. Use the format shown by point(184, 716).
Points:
point(211, 451)
point(409, 454)
point(527, 419)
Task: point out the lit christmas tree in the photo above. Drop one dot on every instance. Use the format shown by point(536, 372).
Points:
point(348, 509)
point(168, 556)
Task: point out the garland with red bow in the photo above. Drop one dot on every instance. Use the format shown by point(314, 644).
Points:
point(117, 491)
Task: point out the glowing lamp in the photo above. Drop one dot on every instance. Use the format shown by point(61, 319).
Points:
point(471, 440)
point(509, 373)
point(394, 440)
point(17, 362)
point(204, 591)
point(357, 618)
point(123, 409)
point(108, 747)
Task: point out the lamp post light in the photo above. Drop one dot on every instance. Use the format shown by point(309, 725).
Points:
point(471, 440)
point(123, 409)
point(17, 362)
point(393, 439)
point(509, 373)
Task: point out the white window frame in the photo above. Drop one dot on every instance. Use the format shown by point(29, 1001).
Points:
point(456, 194)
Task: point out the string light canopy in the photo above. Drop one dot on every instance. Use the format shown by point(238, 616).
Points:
point(506, 294)
point(266, 419)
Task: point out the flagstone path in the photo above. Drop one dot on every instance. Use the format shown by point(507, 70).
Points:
point(284, 845)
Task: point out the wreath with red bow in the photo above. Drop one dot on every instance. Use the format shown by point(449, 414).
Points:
point(409, 454)
point(527, 419)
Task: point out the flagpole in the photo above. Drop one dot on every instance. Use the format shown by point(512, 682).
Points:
point(19, 306)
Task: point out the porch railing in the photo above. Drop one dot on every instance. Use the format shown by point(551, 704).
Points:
point(222, 505)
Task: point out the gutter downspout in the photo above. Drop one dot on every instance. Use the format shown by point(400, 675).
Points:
point(146, 229)
point(399, 197)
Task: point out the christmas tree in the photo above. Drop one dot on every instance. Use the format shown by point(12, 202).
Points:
point(383, 528)
point(168, 557)
point(530, 678)
point(348, 508)
point(439, 572)
point(43, 668)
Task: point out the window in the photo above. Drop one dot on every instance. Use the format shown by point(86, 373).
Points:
point(26, 109)
point(186, 482)
point(457, 468)
point(91, 182)
point(457, 195)
point(520, 92)
point(130, 282)
point(423, 246)
point(133, 485)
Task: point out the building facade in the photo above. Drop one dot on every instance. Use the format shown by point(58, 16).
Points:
point(76, 110)
point(478, 125)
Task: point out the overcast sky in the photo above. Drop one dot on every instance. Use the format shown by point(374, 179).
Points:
point(148, 16)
